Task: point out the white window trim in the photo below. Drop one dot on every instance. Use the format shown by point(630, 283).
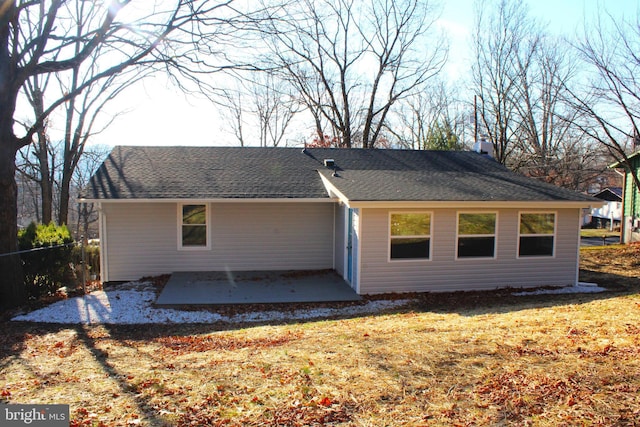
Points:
point(554, 235)
point(207, 226)
point(389, 237)
point(494, 235)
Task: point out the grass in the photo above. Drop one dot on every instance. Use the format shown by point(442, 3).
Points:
point(598, 232)
point(454, 359)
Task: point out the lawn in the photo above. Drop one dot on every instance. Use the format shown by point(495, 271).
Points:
point(598, 232)
point(454, 359)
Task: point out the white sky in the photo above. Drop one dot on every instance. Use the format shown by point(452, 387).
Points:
point(159, 114)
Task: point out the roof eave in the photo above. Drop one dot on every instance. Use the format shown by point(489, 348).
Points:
point(333, 191)
point(473, 204)
point(213, 200)
point(384, 204)
point(621, 164)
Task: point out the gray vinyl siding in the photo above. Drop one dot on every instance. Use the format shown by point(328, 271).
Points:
point(142, 238)
point(443, 272)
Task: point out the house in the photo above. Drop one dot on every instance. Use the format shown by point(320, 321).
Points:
point(630, 227)
point(610, 214)
point(385, 220)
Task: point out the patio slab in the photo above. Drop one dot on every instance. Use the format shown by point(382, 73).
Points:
point(255, 287)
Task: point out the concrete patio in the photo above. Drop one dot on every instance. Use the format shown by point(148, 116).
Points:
point(254, 287)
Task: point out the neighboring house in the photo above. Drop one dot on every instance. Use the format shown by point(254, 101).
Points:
point(385, 220)
point(610, 214)
point(630, 199)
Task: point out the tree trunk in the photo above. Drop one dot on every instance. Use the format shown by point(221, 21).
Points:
point(65, 188)
point(46, 186)
point(12, 290)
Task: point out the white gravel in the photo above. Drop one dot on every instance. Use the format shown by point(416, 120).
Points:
point(134, 306)
point(579, 288)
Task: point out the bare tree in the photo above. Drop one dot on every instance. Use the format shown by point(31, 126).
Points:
point(38, 169)
point(504, 41)
point(81, 123)
point(351, 61)
point(422, 119)
point(234, 113)
point(261, 102)
point(610, 49)
point(52, 164)
point(524, 79)
point(185, 37)
point(275, 107)
point(548, 143)
point(28, 200)
point(84, 216)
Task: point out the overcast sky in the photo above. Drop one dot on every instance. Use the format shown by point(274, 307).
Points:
point(159, 114)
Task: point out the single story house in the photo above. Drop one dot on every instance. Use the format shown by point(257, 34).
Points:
point(610, 214)
point(385, 220)
point(630, 225)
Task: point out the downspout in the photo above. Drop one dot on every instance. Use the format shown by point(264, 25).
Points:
point(577, 279)
point(345, 249)
point(623, 219)
point(633, 207)
point(359, 257)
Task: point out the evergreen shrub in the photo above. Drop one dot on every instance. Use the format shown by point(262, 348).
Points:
point(47, 265)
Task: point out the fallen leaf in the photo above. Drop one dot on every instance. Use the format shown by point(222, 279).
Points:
point(325, 401)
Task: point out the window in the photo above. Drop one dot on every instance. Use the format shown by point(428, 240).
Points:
point(410, 236)
point(537, 233)
point(193, 231)
point(476, 235)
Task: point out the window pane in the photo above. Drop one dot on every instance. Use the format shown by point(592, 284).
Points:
point(194, 214)
point(194, 235)
point(476, 247)
point(418, 224)
point(409, 248)
point(477, 223)
point(532, 223)
point(536, 246)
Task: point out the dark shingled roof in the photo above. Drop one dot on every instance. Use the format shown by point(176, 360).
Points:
point(610, 194)
point(206, 172)
point(362, 175)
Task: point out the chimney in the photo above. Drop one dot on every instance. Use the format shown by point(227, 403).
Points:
point(483, 147)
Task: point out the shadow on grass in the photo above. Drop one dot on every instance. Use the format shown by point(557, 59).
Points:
point(14, 342)
point(468, 304)
point(102, 358)
point(504, 301)
point(15, 338)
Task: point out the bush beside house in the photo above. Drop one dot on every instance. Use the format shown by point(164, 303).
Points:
point(47, 264)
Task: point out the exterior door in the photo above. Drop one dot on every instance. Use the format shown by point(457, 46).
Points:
point(352, 247)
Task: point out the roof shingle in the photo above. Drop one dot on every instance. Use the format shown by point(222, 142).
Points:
point(362, 175)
